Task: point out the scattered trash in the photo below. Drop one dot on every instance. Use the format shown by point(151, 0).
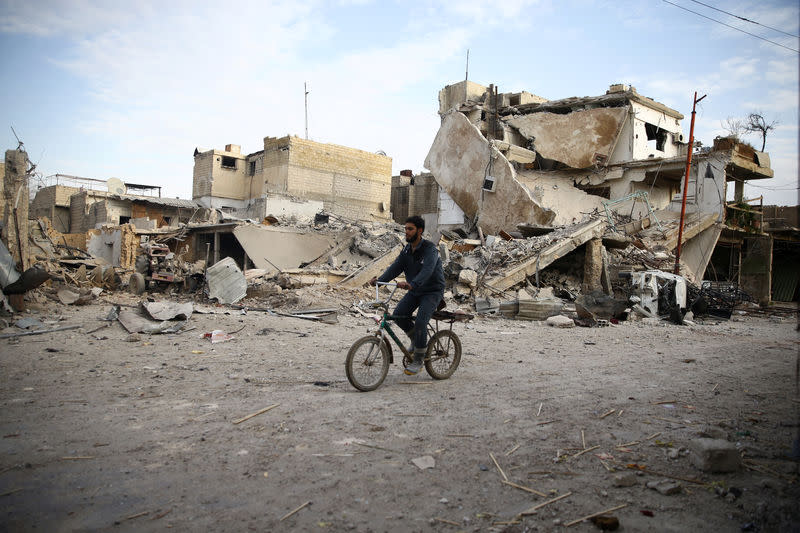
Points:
point(217, 336)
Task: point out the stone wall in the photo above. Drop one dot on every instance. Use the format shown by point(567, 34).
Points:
point(423, 195)
point(349, 182)
point(77, 212)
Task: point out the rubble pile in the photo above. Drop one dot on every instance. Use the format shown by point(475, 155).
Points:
point(583, 271)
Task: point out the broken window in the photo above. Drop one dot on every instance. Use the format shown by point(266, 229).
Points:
point(252, 168)
point(654, 133)
point(228, 162)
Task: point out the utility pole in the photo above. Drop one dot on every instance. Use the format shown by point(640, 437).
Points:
point(686, 183)
point(305, 91)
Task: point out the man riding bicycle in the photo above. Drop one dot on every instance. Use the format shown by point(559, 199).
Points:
point(420, 262)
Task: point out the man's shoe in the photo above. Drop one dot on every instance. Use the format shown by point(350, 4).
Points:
point(413, 368)
point(415, 365)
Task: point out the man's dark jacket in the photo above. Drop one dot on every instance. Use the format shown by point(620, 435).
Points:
point(422, 267)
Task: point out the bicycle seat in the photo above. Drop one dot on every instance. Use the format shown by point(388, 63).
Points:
point(450, 316)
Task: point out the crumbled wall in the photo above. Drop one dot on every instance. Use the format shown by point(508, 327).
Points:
point(78, 208)
point(73, 240)
point(117, 245)
point(453, 95)
point(15, 196)
point(459, 159)
point(43, 204)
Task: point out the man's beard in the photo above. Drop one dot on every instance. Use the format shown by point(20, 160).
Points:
point(412, 239)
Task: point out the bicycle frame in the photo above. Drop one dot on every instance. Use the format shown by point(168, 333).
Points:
point(384, 327)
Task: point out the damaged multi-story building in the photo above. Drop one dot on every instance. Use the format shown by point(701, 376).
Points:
point(511, 159)
point(75, 204)
point(294, 177)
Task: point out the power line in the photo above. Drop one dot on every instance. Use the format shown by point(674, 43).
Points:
point(729, 26)
point(745, 19)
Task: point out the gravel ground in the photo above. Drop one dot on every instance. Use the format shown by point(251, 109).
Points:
point(108, 431)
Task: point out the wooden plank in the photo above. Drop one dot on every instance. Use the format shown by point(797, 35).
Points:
point(557, 250)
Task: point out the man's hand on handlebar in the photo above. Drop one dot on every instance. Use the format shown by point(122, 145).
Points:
point(373, 281)
point(404, 285)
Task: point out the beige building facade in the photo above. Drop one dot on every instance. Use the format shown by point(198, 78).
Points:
point(316, 176)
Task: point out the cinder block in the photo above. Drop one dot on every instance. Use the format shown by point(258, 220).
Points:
point(714, 455)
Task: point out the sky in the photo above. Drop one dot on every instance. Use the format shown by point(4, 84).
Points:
point(105, 89)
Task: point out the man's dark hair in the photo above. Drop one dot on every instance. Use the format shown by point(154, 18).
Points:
point(417, 220)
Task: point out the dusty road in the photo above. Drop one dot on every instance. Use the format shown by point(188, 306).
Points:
point(101, 432)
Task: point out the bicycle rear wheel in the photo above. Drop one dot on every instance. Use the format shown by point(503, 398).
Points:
point(367, 363)
point(443, 355)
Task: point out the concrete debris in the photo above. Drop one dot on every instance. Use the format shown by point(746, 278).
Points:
point(625, 479)
point(560, 321)
point(714, 455)
point(667, 487)
point(168, 310)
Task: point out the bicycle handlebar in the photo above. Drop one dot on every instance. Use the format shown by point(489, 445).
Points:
point(391, 294)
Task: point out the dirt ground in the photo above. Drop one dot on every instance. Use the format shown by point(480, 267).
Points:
point(104, 431)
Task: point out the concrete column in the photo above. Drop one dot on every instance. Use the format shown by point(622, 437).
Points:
point(216, 247)
point(15, 206)
point(593, 266)
point(738, 191)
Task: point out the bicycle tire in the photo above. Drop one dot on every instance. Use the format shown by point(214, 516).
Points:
point(365, 368)
point(443, 354)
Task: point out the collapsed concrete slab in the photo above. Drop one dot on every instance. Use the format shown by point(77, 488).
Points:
point(562, 246)
point(276, 249)
point(581, 139)
point(463, 161)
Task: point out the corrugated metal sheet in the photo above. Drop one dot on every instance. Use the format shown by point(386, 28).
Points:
point(784, 281)
point(8, 271)
point(226, 281)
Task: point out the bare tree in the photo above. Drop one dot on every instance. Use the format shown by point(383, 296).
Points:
point(756, 123)
point(735, 127)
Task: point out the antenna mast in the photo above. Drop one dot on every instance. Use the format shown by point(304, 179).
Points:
point(305, 90)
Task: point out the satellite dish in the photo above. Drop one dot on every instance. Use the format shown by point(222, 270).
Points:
point(116, 186)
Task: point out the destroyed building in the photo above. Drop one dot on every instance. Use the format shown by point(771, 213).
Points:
point(294, 177)
point(511, 159)
point(76, 204)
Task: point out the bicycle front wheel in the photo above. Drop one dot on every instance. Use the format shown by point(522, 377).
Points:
point(367, 363)
point(444, 354)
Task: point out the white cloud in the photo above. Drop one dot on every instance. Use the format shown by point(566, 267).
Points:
point(782, 71)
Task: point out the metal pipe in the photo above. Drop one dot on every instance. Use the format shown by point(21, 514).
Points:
point(686, 183)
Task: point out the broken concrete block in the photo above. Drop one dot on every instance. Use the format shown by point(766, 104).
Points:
point(468, 277)
point(626, 479)
point(714, 455)
point(444, 253)
point(560, 321)
point(460, 289)
point(666, 487)
point(539, 309)
point(486, 305)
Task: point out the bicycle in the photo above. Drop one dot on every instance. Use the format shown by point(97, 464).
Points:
point(369, 357)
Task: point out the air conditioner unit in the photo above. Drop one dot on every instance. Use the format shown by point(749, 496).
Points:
point(678, 138)
point(489, 183)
